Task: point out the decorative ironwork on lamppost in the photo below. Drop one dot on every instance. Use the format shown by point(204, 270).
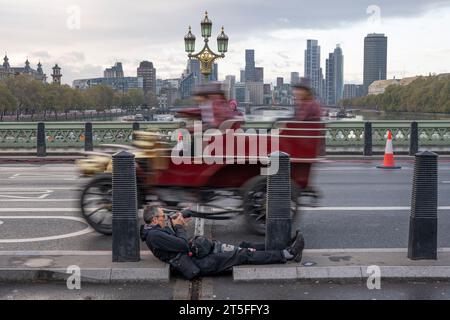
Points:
point(206, 56)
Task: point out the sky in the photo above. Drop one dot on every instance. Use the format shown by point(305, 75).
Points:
point(86, 36)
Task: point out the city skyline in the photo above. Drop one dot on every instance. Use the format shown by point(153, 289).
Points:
point(279, 41)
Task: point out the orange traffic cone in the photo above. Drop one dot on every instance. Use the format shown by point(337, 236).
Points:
point(388, 162)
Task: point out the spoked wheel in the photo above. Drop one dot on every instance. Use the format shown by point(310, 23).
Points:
point(96, 204)
point(254, 203)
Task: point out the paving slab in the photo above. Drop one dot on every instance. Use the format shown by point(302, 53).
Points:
point(350, 265)
point(94, 268)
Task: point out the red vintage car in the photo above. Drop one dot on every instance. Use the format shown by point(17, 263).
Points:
point(217, 185)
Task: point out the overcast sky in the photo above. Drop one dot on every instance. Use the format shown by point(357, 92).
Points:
point(86, 36)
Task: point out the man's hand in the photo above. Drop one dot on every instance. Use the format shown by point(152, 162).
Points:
point(180, 220)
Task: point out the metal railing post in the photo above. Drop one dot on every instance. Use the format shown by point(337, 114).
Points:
point(368, 138)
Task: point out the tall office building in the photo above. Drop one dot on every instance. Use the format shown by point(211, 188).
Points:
point(250, 65)
point(242, 76)
point(242, 93)
point(256, 92)
point(259, 74)
point(148, 73)
point(230, 87)
point(312, 66)
point(375, 58)
point(334, 77)
point(280, 81)
point(295, 77)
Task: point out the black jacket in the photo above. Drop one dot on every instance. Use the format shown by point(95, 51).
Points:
point(165, 243)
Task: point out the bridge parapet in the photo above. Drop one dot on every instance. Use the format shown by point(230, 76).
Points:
point(340, 135)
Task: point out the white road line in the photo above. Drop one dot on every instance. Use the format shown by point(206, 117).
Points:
point(88, 229)
point(37, 200)
point(36, 189)
point(39, 210)
point(364, 208)
point(363, 250)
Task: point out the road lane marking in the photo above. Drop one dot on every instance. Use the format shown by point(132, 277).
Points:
point(364, 208)
point(38, 188)
point(368, 250)
point(30, 195)
point(40, 176)
point(37, 200)
point(64, 253)
point(88, 229)
point(1, 222)
point(39, 210)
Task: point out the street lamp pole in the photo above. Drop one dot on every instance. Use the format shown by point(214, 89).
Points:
point(206, 56)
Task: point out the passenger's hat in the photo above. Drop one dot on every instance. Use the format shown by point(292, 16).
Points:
point(209, 88)
point(303, 83)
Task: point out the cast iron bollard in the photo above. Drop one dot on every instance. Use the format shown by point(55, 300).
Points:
point(278, 215)
point(422, 242)
point(41, 144)
point(135, 126)
point(125, 236)
point(414, 139)
point(88, 143)
point(367, 138)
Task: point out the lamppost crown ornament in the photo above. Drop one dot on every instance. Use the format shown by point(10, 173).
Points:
point(222, 42)
point(189, 41)
point(206, 56)
point(206, 26)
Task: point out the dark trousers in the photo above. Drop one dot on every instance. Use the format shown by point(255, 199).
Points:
point(218, 262)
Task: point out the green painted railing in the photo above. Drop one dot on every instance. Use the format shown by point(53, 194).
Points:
point(339, 134)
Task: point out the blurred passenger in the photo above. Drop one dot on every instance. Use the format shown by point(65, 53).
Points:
point(307, 107)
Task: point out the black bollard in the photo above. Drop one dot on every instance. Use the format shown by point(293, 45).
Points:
point(422, 242)
point(125, 236)
point(414, 139)
point(368, 138)
point(278, 215)
point(135, 126)
point(41, 143)
point(88, 143)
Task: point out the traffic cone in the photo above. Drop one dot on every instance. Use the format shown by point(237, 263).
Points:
point(388, 162)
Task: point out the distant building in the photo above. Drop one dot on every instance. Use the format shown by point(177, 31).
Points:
point(295, 77)
point(352, 91)
point(259, 74)
point(148, 73)
point(267, 91)
point(250, 65)
point(242, 93)
point(230, 87)
point(375, 58)
point(256, 92)
point(379, 86)
point(6, 70)
point(242, 76)
point(313, 70)
point(334, 77)
point(118, 84)
point(56, 75)
point(192, 77)
point(280, 81)
point(114, 72)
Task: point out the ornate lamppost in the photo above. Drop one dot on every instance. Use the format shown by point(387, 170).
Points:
point(206, 56)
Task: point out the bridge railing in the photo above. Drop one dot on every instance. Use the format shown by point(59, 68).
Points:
point(341, 136)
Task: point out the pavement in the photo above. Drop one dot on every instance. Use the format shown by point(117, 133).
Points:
point(94, 266)
point(363, 220)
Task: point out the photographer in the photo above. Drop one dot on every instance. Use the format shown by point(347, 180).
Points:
point(201, 256)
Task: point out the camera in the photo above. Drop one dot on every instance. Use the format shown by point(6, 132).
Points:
point(185, 212)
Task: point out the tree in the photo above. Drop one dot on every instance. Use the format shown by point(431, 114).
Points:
point(7, 100)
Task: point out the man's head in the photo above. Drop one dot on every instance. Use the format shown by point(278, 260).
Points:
point(154, 215)
point(302, 90)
